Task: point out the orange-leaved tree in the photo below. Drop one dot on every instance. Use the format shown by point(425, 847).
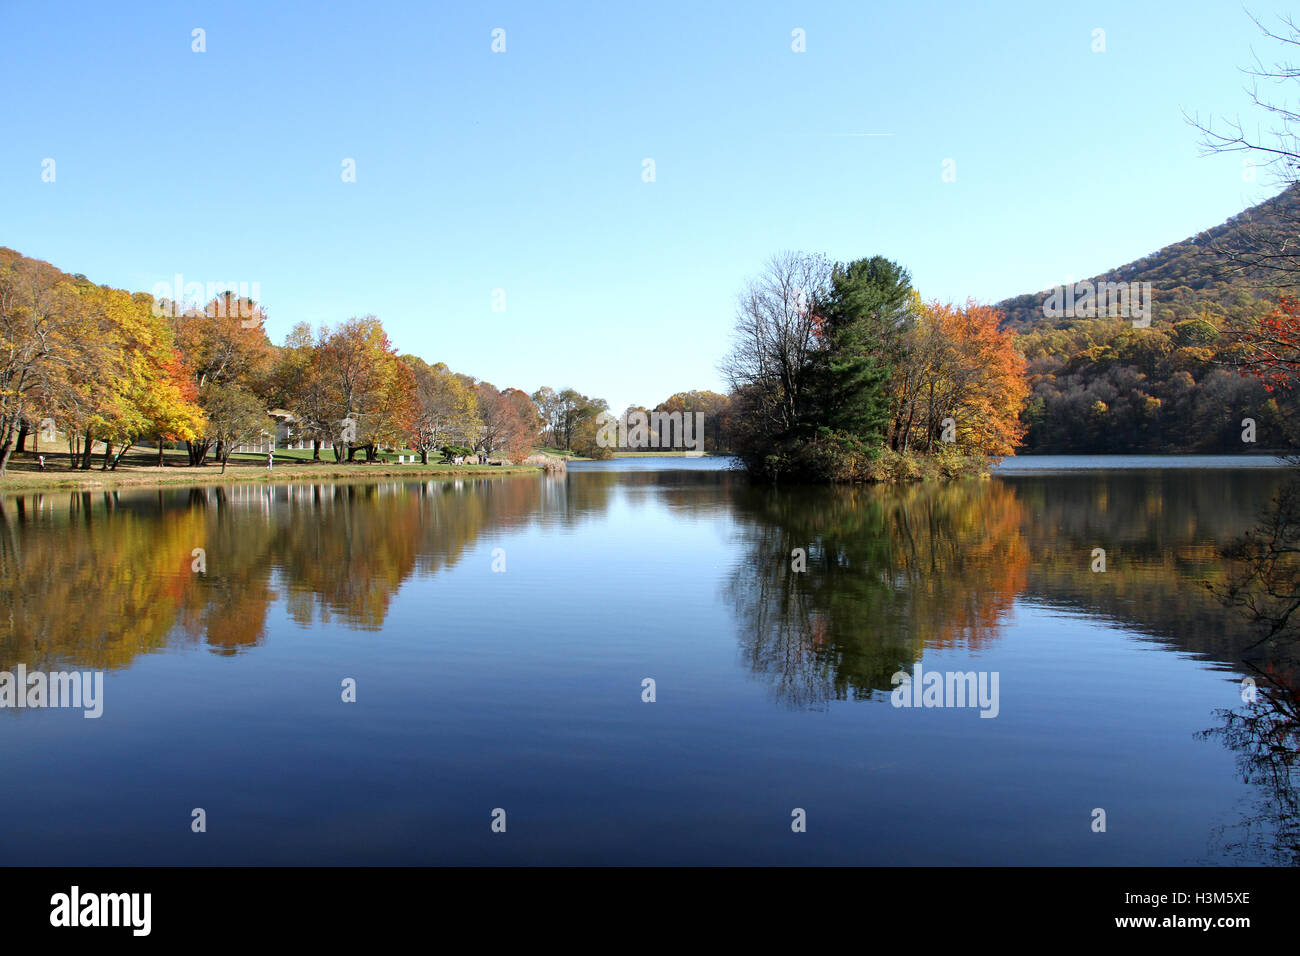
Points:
point(960, 380)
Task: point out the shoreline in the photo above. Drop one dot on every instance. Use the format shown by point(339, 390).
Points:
point(134, 476)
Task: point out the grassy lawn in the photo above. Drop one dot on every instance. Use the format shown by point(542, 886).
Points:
point(561, 454)
point(141, 469)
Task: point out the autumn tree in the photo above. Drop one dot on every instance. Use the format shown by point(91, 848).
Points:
point(1270, 348)
point(357, 361)
point(171, 406)
point(150, 393)
point(224, 344)
point(582, 426)
point(444, 409)
point(235, 416)
point(299, 383)
point(42, 331)
point(97, 361)
point(394, 403)
point(547, 402)
point(960, 380)
point(569, 417)
point(832, 362)
point(495, 415)
point(714, 406)
point(812, 357)
point(523, 424)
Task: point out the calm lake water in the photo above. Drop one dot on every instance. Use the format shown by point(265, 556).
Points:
point(499, 632)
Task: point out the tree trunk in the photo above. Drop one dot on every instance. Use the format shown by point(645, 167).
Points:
point(22, 437)
point(424, 456)
point(86, 451)
point(108, 453)
point(198, 452)
point(118, 457)
point(907, 429)
point(315, 449)
point(160, 451)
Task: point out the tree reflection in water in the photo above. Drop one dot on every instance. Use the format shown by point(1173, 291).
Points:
point(1265, 735)
point(890, 571)
point(1265, 732)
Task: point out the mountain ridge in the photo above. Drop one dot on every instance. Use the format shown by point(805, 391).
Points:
point(1208, 269)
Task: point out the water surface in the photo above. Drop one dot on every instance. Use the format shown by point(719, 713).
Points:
point(499, 632)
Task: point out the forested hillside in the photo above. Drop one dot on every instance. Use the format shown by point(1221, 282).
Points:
point(1106, 384)
point(1196, 274)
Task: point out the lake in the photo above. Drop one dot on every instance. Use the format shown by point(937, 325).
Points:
point(500, 637)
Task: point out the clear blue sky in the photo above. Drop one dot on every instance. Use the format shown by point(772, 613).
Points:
point(523, 170)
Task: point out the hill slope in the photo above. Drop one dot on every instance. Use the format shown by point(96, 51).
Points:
point(1102, 385)
point(1214, 268)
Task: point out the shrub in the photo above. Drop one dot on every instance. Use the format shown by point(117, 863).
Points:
point(455, 451)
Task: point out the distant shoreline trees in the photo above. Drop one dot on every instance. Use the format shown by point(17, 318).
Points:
point(838, 372)
point(107, 367)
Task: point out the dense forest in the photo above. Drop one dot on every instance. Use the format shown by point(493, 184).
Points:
point(1108, 384)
